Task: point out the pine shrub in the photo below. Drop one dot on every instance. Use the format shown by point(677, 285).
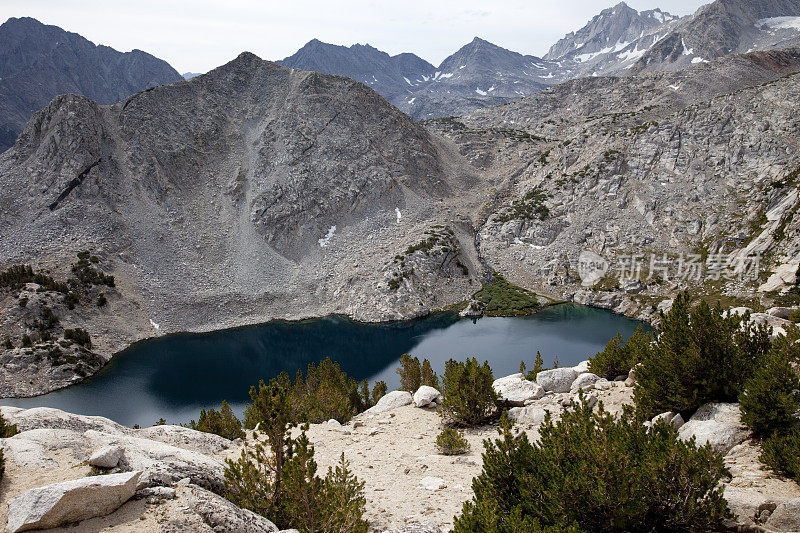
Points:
point(781, 453)
point(451, 442)
point(619, 356)
point(325, 392)
point(414, 374)
point(590, 472)
point(469, 399)
point(277, 478)
point(702, 355)
point(223, 423)
point(770, 400)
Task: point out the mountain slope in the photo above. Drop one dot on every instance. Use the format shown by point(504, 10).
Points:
point(249, 193)
point(726, 27)
point(697, 165)
point(39, 62)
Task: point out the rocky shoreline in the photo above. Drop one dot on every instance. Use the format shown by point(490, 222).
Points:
point(168, 475)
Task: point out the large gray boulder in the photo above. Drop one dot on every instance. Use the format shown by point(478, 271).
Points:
point(557, 379)
point(427, 397)
point(222, 515)
point(786, 516)
point(49, 418)
point(70, 501)
point(163, 464)
point(393, 400)
point(717, 424)
point(516, 390)
point(584, 382)
point(106, 457)
point(532, 415)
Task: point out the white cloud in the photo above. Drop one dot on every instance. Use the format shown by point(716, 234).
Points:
point(197, 35)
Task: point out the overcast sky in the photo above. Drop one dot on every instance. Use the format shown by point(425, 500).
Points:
point(198, 35)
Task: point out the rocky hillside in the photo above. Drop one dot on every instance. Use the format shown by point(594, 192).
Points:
point(39, 62)
point(215, 201)
point(604, 190)
point(725, 27)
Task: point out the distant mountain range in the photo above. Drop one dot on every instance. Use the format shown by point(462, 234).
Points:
point(39, 62)
point(618, 41)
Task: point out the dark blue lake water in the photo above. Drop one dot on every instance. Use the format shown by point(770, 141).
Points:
point(175, 376)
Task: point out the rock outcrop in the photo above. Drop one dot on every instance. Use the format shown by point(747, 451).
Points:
point(717, 424)
point(70, 501)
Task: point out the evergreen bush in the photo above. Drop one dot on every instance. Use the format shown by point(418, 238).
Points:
point(277, 478)
point(223, 422)
point(619, 356)
point(781, 453)
point(414, 374)
point(451, 442)
point(702, 355)
point(469, 398)
point(591, 472)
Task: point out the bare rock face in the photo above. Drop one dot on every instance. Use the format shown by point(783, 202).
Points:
point(717, 424)
point(557, 379)
point(222, 515)
point(786, 516)
point(38, 62)
point(70, 501)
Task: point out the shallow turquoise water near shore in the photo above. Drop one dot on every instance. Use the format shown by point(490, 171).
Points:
point(175, 376)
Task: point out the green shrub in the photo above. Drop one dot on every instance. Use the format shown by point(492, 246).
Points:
point(101, 300)
point(7, 430)
point(619, 357)
point(223, 423)
point(770, 398)
point(591, 472)
point(277, 478)
point(702, 355)
point(79, 336)
point(379, 391)
point(781, 453)
point(794, 316)
point(8, 344)
point(88, 275)
point(503, 298)
point(325, 392)
point(27, 342)
point(469, 398)
point(23, 302)
point(413, 374)
point(2, 464)
point(451, 442)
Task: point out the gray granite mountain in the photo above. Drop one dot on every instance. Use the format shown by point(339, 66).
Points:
point(39, 62)
point(725, 27)
point(391, 76)
point(252, 192)
point(477, 75)
point(611, 42)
